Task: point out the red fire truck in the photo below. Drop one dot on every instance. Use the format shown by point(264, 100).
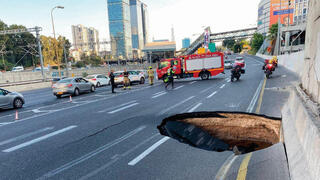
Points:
point(196, 65)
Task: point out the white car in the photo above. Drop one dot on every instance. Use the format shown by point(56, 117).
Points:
point(134, 77)
point(17, 69)
point(98, 80)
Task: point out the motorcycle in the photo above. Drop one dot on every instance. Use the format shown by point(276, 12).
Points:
point(236, 73)
point(269, 68)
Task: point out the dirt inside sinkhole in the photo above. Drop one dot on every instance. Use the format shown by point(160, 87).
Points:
point(221, 131)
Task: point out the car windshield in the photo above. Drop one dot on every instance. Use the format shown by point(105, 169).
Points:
point(148, 89)
point(65, 81)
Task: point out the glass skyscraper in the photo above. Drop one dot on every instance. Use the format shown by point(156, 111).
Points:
point(120, 28)
point(145, 22)
point(136, 24)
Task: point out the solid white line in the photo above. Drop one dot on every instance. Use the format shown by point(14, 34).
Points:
point(123, 108)
point(255, 98)
point(105, 110)
point(91, 154)
point(25, 136)
point(176, 105)
point(212, 94)
point(221, 175)
point(179, 87)
point(195, 107)
point(148, 151)
point(38, 139)
point(159, 95)
point(222, 86)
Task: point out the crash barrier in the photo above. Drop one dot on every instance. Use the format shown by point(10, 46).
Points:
point(301, 129)
point(18, 78)
point(294, 61)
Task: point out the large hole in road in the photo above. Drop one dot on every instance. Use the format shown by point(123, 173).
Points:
point(223, 131)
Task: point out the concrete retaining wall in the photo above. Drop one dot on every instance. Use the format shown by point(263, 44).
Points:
point(302, 136)
point(293, 61)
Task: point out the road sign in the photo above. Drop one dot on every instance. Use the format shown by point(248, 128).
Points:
point(17, 31)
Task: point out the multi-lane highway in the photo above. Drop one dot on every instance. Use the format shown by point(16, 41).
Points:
point(114, 136)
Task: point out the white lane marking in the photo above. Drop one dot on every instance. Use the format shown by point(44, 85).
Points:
point(123, 108)
point(119, 106)
point(176, 105)
point(148, 151)
point(91, 154)
point(212, 94)
point(255, 98)
point(221, 175)
point(38, 139)
point(25, 136)
point(158, 95)
point(195, 107)
point(192, 82)
point(5, 123)
point(229, 80)
point(205, 90)
point(115, 158)
point(222, 86)
point(178, 87)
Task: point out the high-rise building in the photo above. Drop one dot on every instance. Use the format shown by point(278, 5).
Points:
point(136, 24)
point(85, 39)
point(145, 22)
point(120, 28)
point(264, 17)
point(300, 11)
point(173, 39)
point(185, 42)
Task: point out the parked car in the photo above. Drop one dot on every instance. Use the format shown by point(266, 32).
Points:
point(72, 86)
point(98, 80)
point(55, 80)
point(144, 72)
point(38, 69)
point(134, 77)
point(17, 69)
point(228, 64)
point(10, 99)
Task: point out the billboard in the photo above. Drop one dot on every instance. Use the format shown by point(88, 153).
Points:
point(283, 9)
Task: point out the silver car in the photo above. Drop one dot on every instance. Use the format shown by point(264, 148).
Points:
point(72, 86)
point(10, 99)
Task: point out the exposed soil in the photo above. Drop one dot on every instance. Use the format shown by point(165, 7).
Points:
point(240, 130)
point(248, 132)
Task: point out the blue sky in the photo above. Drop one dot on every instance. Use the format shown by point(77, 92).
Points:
point(187, 16)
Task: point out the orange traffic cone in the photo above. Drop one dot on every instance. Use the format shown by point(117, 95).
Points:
point(70, 99)
point(17, 115)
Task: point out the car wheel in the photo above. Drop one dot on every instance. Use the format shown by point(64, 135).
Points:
point(92, 89)
point(142, 81)
point(98, 84)
point(76, 92)
point(58, 96)
point(17, 103)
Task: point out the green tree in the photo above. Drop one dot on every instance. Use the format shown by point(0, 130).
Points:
point(256, 42)
point(273, 32)
point(229, 43)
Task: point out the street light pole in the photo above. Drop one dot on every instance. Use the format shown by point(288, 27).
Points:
point(54, 35)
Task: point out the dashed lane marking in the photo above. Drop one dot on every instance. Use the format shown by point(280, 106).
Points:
point(91, 154)
point(195, 107)
point(148, 151)
point(212, 94)
point(176, 105)
point(38, 139)
point(222, 86)
point(123, 108)
point(116, 107)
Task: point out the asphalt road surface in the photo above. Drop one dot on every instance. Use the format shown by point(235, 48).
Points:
point(113, 136)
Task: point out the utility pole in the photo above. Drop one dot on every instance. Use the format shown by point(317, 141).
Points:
point(278, 42)
point(65, 58)
point(37, 29)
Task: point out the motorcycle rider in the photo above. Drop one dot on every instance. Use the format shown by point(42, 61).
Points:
point(235, 71)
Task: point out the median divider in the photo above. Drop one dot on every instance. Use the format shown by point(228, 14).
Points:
point(301, 129)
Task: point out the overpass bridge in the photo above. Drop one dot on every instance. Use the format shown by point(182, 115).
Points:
point(214, 37)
